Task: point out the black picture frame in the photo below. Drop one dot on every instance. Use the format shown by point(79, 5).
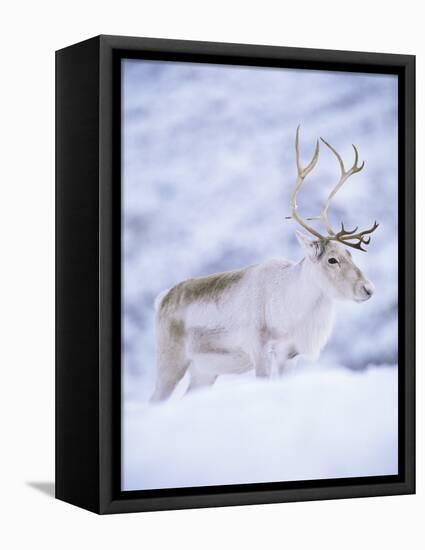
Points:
point(88, 266)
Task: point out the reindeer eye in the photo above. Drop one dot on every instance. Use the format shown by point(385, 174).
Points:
point(333, 261)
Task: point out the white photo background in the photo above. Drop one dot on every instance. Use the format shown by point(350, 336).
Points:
point(208, 164)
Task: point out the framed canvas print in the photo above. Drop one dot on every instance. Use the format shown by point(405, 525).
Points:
point(235, 274)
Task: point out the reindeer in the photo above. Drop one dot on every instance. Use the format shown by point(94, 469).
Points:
point(274, 311)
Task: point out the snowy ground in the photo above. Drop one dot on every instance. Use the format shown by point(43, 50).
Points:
point(310, 425)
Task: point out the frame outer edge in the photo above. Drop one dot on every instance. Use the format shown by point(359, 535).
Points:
point(108, 501)
point(253, 50)
point(77, 358)
point(107, 411)
point(410, 278)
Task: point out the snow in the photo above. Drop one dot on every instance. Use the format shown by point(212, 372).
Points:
point(312, 424)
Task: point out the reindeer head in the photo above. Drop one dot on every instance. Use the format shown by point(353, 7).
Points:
point(333, 266)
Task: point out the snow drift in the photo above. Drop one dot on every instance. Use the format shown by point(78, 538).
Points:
point(312, 424)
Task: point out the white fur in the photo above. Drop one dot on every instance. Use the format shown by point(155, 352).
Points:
point(276, 310)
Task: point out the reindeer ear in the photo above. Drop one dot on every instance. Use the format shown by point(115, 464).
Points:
point(310, 246)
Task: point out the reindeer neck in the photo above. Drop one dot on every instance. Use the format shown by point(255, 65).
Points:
point(306, 286)
point(298, 294)
point(303, 293)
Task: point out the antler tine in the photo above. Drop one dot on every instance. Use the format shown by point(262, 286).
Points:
point(345, 237)
point(349, 236)
point(335, 152)
point(344, 231)
point(345, 174)
point(357, 245)
point(302, 173)
point(355, 168)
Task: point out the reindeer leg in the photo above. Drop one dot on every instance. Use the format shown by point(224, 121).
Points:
point(287, 360)
point(198, 380)
point(166, 382)
point(263, 365)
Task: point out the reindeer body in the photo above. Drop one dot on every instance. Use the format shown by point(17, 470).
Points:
point(230, 323)
point(240, 320)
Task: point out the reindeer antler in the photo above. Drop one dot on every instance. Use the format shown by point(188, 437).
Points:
point(342, 236)
point(302, 173)
point(345, 174)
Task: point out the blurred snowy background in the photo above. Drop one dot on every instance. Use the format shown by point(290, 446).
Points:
point(208, 167)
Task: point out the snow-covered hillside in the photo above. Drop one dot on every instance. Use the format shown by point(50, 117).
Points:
point(310, 425)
